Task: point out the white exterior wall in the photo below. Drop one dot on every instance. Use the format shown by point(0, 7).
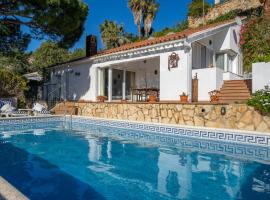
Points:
point(75, 87)
point(260, 76)
point(209, 79)
point(174, 82)
point(231, 76)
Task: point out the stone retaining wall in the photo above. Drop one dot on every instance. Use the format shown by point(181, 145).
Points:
point(238, 116)
point(223, 8)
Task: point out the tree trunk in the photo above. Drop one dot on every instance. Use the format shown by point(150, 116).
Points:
point(139, 31)
point(266, 9)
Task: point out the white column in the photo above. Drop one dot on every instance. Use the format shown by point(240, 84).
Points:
point(124, 85)
point(100, 81)
point(110, 82)
point(189, 74)
point(226, 62)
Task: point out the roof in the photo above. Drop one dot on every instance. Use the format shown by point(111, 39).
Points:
point(166, 38)
point(154, 41)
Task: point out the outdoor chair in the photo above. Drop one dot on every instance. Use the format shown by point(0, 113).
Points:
point(7, 110)
point(40, 109)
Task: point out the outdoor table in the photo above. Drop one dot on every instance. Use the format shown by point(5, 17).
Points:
point(143, 93)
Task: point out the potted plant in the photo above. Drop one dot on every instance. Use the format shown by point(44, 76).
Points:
point(124, 100)
point(152, 98)
point(214, 95)
point(184, 98)
point(101, 98)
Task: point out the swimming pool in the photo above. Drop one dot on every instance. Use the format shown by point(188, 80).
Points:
point(57, 159)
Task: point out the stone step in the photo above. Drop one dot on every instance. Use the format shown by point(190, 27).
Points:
point(233, 98)
point(235, 86)
point(246, 94)
point(227, 92)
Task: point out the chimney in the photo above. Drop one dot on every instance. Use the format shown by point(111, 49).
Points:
point(217, 1)
point(91, 45)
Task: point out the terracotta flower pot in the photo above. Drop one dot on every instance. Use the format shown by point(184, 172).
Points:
point(214, 98)
point(101, 99)
point(152, 98)
point(183, 98)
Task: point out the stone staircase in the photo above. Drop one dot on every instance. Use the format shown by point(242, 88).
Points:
point(235, 91)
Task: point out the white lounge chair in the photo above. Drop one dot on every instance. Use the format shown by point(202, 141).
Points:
point(39, 109)
point(7, 110)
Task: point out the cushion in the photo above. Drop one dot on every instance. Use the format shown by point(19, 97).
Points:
point(2, 103)
point(38, 107)
point(7, 108)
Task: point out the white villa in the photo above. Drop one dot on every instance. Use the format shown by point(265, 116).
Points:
point(168, 64)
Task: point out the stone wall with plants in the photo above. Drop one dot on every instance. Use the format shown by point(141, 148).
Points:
point(236, 116)
point(222, 9)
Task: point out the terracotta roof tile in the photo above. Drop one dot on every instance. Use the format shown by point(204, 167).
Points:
point(166, 38)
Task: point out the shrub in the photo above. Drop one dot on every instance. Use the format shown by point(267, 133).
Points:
point(195, 9)
point(11, 84)
point(261, 101)
point(255, 42)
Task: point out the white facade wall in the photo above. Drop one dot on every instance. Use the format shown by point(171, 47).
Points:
point(260, 76)
point(209, 79)
point(175, 81)
point(76, 81)
point(231, 76)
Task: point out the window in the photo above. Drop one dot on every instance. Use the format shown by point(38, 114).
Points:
point(220, 61)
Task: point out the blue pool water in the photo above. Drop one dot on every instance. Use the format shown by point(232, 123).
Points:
point(105, 163)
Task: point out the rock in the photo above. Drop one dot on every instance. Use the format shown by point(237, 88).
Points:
point(246, 118)
point(263, 127)
point(242, 108)
point(257, 118)
point(198, 121)
point(164, 113)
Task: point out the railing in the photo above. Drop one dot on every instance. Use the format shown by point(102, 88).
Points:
point(54, 97)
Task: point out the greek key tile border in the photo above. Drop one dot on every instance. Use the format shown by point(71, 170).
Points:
point(27, 120)
point(211, 134)
point(242, 151)
point(191, 132)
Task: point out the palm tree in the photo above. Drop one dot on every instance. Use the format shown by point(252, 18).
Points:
point(144, 12)
point(112, 35)
point(150, 15)
point(136, 7)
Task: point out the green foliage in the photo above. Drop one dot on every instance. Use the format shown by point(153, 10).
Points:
point(178, 28)
point(144, 12)
point(12, 40)
point(196, 9)
point(48, 54)
point(234, 13)
point(112, 34)
point(11, 84)
point(261, 101)
point(255, 42)
point(77, 53)
point(17, 63)
point(60, 20)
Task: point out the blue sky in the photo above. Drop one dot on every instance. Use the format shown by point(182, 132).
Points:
point(170, 12)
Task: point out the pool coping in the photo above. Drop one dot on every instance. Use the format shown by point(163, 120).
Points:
point(215, 134)
point(9, 192)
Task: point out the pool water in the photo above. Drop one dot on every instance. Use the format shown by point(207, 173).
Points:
point(106, 163)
